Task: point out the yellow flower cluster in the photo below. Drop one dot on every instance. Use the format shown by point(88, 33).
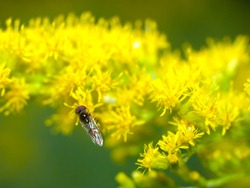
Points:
point(17, 92)
point(201, 95)
point(136, 88)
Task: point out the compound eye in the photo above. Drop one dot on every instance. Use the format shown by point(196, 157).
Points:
point(80, 109)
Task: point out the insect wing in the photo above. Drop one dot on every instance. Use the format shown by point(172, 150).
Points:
point(96, 135)
point(93, 131)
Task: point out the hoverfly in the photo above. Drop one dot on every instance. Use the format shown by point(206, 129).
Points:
point(89, 124)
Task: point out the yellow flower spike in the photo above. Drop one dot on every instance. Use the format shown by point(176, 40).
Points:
point(152, 158)
point(182, 139)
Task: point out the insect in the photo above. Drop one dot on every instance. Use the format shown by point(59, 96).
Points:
point(89, 124)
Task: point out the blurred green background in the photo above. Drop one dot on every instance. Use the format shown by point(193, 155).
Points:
point(31, 155)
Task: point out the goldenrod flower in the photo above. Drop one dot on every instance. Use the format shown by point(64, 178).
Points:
point(152, 158)
point(205, 103)
point(170, 143)
point(229, 112)
point(173, 83)
point(122, 73)
point(187, 133)
point(169, 91)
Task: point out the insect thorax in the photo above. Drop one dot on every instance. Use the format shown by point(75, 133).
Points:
point(84, 117)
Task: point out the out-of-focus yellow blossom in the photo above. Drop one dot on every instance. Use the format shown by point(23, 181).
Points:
point(247, 89)
point(226, 158)
point(144, 180)
point(224, 58)
point(15, 98)
point(60, 123)
point(124, 181)
point(4, 78)
point(124, 74)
